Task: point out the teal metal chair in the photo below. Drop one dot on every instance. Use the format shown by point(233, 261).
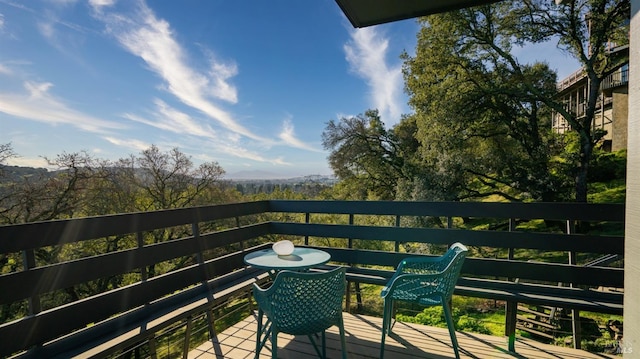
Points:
point(428, 281)
point(300, 303)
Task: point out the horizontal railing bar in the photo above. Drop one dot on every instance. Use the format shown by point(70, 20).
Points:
point(549, 211)
point(135, 319)
point(496, 239)
point(537, 271)
point(563, 297)
point(64, 275)
point(61, 320)
point(15, 238)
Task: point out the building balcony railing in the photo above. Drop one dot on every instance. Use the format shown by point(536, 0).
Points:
point(618, 78)
point(100, 285)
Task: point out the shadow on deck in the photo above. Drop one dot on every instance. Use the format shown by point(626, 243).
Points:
point(363, 341)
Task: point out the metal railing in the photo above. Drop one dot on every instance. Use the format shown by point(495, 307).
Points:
point(618, 78)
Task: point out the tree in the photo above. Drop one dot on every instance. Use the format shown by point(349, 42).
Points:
point(6, 152)
point(482, 113)
point(482, 124)
point(585, 29)
point(164, 180)
point(169, 180)
point(46, 195)
point(364, 156)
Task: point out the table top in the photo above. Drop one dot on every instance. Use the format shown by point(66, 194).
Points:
point(301, 258)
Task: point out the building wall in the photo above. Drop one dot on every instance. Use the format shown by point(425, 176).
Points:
point(631, 345)
point(620, 114)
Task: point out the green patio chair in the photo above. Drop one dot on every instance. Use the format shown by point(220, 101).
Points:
point(301, 303)
point(428, 281)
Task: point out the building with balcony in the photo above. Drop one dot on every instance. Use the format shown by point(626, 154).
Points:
point(612, 108)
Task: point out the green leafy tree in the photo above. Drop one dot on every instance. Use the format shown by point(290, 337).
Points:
point(482, 122)
point(365, 156)
point(483, 115)
point(586, 29)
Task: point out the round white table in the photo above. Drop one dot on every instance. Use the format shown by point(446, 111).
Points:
point(302, 258)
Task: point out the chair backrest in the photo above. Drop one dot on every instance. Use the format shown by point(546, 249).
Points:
point(302, 303)
point(447, 267)
point(455, 257)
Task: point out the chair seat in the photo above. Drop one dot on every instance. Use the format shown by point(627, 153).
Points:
point(410, 296)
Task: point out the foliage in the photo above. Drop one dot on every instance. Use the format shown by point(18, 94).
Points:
point(308, 186)
point(466, 319)
point(480, 114)
point(585, 29)
point(608, 192)
point(608, 166)
point(366, 157)
point(481, 120)
point(81, 185)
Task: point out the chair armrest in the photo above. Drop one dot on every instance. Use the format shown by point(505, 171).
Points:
point(429, 284)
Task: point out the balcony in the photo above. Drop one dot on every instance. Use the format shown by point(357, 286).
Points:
point(616, 79)
point(186, 265)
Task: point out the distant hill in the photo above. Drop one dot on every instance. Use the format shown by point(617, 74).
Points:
point(310, 185)
point(14, 173)
point(251, 184)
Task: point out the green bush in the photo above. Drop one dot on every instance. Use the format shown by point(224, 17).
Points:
point(607, 166)
point(469, 324)
point(434, 316)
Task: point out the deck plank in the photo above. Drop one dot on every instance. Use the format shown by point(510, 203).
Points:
point(409, 341)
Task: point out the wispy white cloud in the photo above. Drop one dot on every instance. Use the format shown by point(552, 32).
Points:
point(63, 2)
point(47, 30)
point(170, 119)
point(4, 70)
point(39, 105)
point(152, 39)
point(200, 136)
point(37, 162)
point(287, 135)
point(1, 22)
point(366, 53)
point(97, 4)
point(129, 143)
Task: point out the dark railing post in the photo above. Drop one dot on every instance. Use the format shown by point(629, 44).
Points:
point(29, 261)
point(238, 226)
point(510, 327)
point(144, 272)
point(187, 336)
point(397, 246)
point(575, 314)
point(511, 315)
point(356, 285)
point(307, 218)
point(152, 347)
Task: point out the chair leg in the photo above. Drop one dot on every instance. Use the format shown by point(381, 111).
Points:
point(386, 323)
point(343, 340)
point(274, 342)
point(452, 328)
point(259, 333)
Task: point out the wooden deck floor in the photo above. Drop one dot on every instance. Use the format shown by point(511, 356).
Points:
point(363, 341)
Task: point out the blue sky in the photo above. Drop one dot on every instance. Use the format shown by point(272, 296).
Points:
point(248, 84)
